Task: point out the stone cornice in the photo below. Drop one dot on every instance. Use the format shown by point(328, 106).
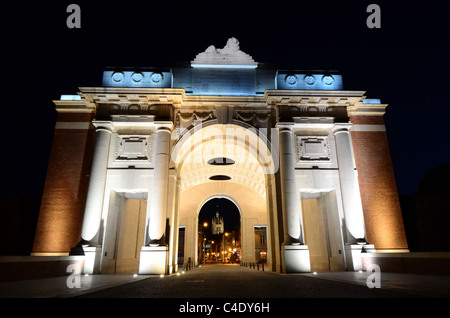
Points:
point(176, 98)
point(361, 109)
point(313, 97)
point(95, 95)
point(73, 106)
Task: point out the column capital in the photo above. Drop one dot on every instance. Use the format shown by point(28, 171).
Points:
point(341, 127)
point(284, 126)
point(164, 125)
point(101, 125)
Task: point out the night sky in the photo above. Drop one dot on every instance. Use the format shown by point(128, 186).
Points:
point(405, 64)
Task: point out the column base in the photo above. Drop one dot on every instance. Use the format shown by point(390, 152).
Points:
point(295, 259)
point(92, 255)
point(153, 260)
point(353, 255)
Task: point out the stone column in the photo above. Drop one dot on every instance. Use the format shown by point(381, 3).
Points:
point(295, 254)
point(96, 191)
point(290, 197)
point(156, 211)
point(154, 254)
point(351, 199)
point(90, 232)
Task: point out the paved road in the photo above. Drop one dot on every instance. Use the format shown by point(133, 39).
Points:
point(214, 290)
point(232, 281)
point(221, 290)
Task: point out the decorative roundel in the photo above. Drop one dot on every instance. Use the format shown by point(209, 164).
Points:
point(137, 77)
point(291, 79)
point(156, 77)
point(117, 77)
point(328, 80)
point(309, 79)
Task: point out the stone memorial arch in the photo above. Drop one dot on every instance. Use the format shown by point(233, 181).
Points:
point(131, 163)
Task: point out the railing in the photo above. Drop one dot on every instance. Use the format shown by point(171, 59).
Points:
point(187, 266)
point(253, 265)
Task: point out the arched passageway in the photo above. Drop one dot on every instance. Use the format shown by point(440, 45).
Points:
point(222, 163)
point(219, 237)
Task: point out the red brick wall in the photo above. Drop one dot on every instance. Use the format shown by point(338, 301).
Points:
point(382, 213)
point(64, 196)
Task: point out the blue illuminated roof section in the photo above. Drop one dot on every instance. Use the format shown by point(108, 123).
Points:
point(238, 81)
point(70, 97)
point(372, 101)
point(223, 81)
point(139, 77)
point(224, 66)
point(305, 80)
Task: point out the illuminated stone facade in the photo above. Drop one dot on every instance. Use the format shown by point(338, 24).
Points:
point(129, 167)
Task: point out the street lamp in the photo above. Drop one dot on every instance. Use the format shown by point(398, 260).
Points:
point(223, 250)
point(205, 225)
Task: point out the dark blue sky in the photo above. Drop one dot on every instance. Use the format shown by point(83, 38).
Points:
point(405, 63)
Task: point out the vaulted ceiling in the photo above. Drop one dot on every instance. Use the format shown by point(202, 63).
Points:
point(195, 159)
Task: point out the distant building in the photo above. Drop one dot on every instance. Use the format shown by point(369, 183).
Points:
point(217, 225)
point(260, 244)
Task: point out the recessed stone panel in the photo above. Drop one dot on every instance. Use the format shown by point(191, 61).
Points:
point(131, 151)
point(313, 149)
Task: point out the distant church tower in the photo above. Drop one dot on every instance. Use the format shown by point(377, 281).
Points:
point(217, 224)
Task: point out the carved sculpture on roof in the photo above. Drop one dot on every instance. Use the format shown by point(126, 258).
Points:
point(230, 54)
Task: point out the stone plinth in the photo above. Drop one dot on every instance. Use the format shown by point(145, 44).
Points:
point(92, 259)
point(153, 260)
point(295, 259)
point(353, 255)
